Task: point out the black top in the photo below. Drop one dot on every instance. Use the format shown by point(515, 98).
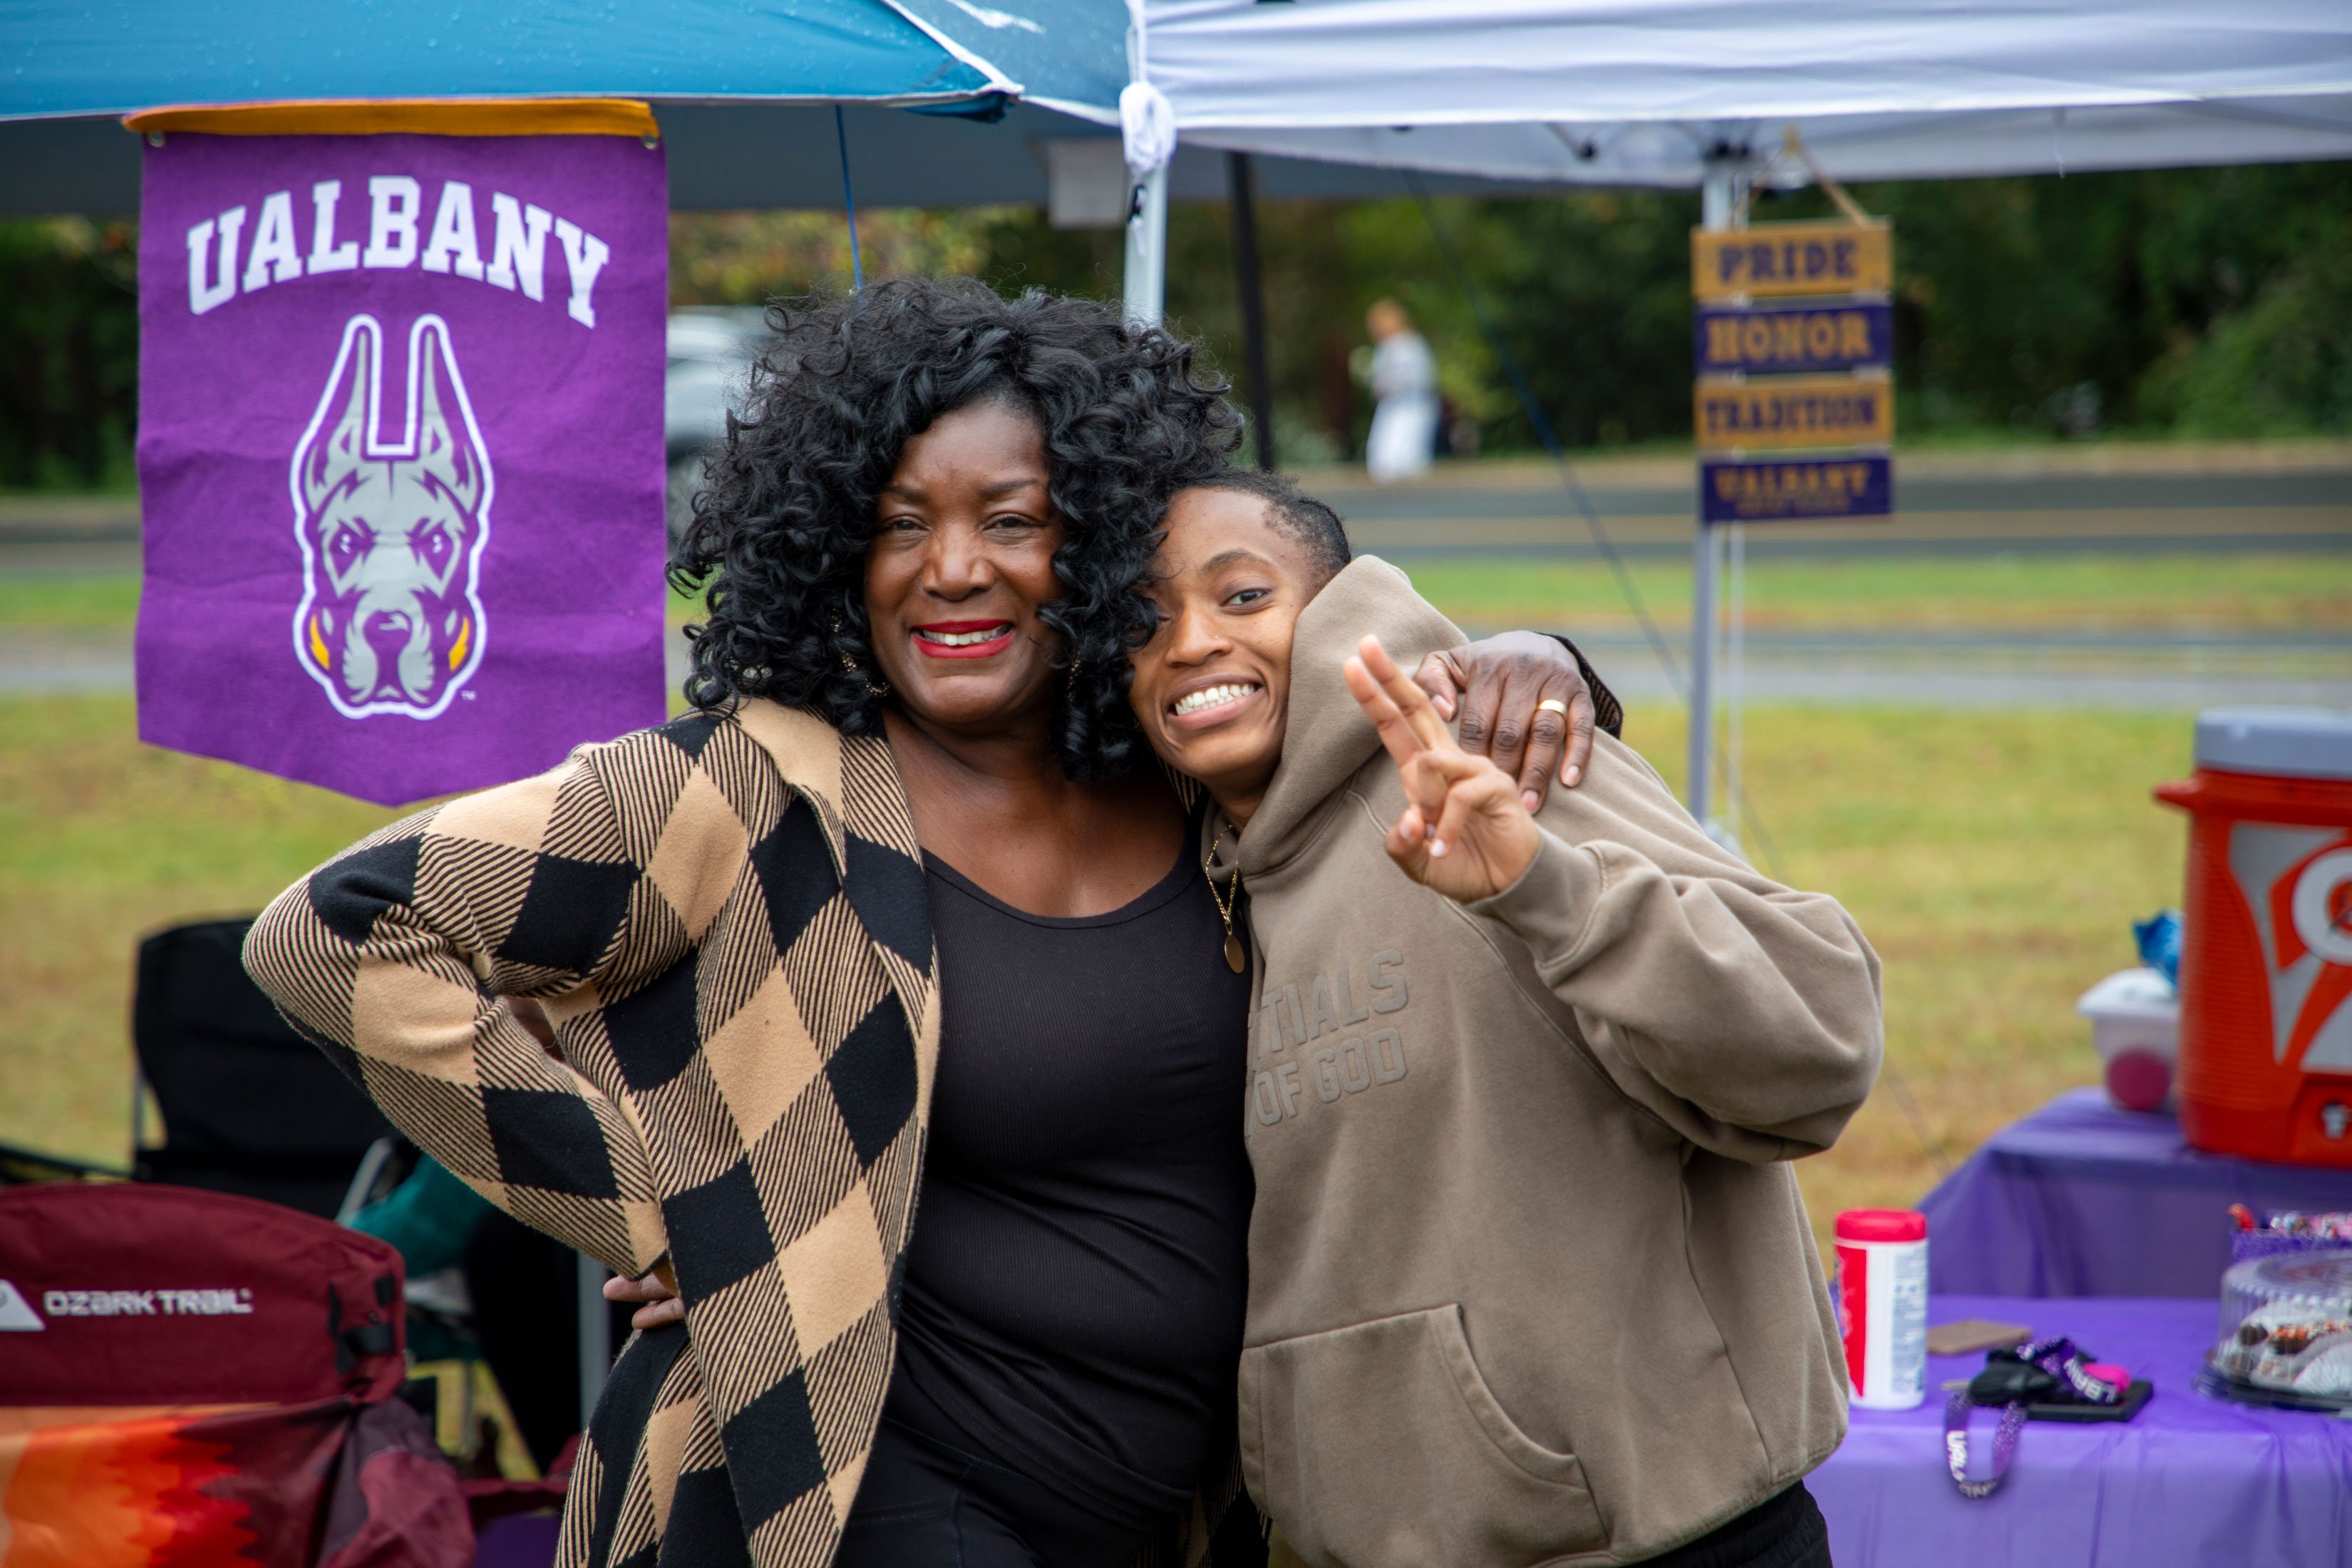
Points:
point(1073, 1291)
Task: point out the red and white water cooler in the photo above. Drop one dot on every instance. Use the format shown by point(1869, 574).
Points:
point(2266, 962)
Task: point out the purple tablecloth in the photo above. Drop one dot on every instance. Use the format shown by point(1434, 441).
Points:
point(517, 1541)
point(2082, 1199)
point(2188, 1482)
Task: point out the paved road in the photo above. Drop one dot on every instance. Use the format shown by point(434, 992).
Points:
point(1999, 670)
point(1948, 505)
point(2096, 501)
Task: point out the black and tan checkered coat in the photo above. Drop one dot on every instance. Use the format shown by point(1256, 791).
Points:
point(726, 919)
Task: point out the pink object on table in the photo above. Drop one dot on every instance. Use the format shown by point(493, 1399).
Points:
point(2140, 1081)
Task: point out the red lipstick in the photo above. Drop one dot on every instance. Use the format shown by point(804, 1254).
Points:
point(974, 640)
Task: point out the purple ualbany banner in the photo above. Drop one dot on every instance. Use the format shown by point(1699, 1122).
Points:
point(1794, 489)
point(400, 453)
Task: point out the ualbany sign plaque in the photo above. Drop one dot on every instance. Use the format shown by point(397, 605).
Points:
point(1793, 340)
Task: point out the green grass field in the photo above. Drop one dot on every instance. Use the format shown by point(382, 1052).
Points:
point(60, 602)
point(2184, 593)
point(1995, 859)
point(2180, 593)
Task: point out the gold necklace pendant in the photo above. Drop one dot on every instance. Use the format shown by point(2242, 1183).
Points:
point(1234, 958)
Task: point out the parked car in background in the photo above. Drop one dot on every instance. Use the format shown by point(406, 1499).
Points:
point(710, 353)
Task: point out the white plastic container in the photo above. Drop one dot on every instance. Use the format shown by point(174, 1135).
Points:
point(1881, 1300)
point(2136, 1026)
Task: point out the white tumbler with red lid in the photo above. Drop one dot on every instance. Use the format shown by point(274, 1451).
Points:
point(1882, 1298)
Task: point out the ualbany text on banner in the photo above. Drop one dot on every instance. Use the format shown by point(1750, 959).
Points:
point(1787, 490)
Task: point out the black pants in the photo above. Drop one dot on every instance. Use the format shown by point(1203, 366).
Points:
point(925, 1504)
point(1783, 1531)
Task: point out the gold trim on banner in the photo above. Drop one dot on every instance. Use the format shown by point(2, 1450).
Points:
point(432, 117)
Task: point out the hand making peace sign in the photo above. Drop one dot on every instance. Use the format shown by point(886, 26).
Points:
point(1465, 830)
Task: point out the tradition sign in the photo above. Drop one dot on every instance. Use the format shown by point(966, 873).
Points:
point(1792, 338)
point(1794, 411)
point(1773, 261)
point(400, 445)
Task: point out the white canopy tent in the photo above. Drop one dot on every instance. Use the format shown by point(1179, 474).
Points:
point(1649, 92)
point(1703, 92)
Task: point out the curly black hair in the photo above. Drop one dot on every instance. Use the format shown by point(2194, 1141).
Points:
point(780, 532)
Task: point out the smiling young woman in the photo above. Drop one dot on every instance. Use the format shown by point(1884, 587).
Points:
point(894, 916)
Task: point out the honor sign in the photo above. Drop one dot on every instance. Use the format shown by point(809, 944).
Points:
point(1779, 439)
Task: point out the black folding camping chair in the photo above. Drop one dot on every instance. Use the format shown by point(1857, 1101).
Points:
point(249, 1107)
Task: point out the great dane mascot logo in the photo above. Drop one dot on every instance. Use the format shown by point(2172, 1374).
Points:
point(392, 532)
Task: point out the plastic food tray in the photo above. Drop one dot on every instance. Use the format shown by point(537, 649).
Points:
point(2285, 1333)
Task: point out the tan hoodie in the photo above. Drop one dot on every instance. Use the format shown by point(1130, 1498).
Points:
point(1530, 1280)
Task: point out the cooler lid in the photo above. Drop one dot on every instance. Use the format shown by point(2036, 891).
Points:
point(2296, 743)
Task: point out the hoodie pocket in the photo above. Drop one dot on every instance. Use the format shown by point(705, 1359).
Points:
point(1380, 1446)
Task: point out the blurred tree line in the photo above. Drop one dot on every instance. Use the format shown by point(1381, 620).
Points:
point(68, 352)
point(2203, 302)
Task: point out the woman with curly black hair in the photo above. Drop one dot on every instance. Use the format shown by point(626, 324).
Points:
point(781, 531)
point(893, 915)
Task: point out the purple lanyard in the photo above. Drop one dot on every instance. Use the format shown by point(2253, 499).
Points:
point(2057, 1357)
point(1956, 1443)
point(2070, 1366)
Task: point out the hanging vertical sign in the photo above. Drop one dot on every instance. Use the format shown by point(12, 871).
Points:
point(1794, 405)
point(400, 438)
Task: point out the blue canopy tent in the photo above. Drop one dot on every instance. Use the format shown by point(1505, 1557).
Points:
point(722, 73)
point(745, 91)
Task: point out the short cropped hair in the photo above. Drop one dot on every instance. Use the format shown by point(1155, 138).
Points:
point(1306, 520)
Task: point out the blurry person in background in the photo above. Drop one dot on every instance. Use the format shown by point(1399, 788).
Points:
point(1404, 386)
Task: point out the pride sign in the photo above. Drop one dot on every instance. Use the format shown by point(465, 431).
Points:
point(400, 438)
point(1782, 259)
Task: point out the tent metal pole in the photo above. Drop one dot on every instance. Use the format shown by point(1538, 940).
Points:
point(1147, 248)
point(1698, 787)
point(1249, 286)
point(1718, 196)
